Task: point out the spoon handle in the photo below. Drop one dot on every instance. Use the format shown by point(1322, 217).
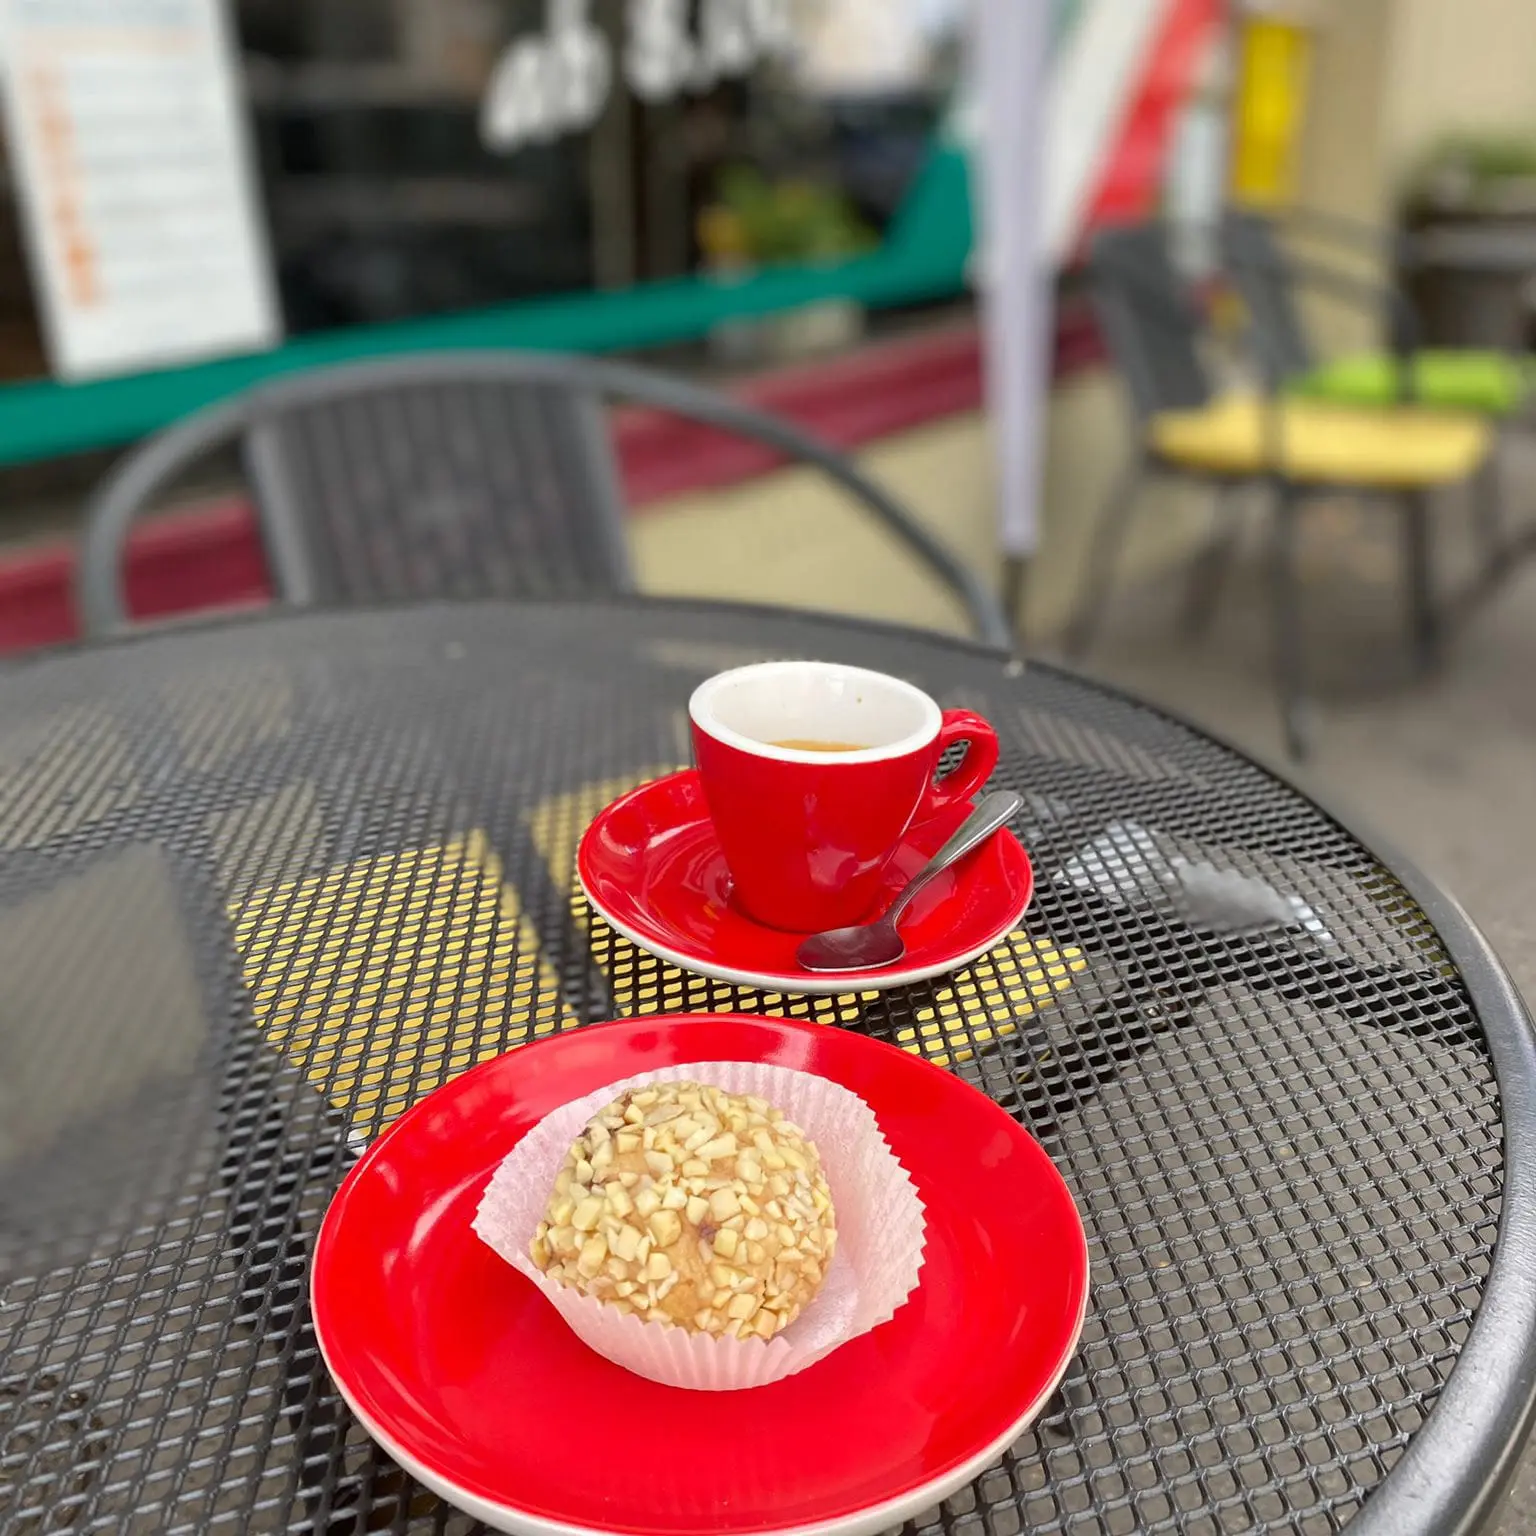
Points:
point(995, 810)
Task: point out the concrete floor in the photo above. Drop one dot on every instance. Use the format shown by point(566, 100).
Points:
point(792, 537)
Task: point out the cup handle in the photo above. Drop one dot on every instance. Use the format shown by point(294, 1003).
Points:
point(972, 771)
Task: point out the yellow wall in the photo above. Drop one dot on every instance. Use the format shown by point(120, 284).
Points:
point(1390, 77)
point(1343, 165)
point(1343, 168)
point(1459, 64)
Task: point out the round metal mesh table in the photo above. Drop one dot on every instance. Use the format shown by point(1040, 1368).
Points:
point(263, 885)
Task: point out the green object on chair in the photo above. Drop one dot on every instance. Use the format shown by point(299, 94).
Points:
point(1486, 383)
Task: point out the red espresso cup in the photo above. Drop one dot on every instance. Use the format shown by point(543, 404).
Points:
point(813, 772)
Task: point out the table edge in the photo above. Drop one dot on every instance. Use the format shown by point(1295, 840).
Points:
point(172, 625)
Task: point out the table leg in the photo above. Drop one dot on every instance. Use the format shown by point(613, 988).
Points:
point(1418, 557)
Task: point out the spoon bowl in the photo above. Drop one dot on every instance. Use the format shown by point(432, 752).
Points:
point(862, 947)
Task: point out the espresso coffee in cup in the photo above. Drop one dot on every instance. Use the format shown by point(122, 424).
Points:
point(797, 745)
point(813, 772)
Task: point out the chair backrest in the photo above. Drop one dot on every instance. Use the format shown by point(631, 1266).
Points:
point(471, 474)
point(1259, 269)
point(1146, 315)
point(383, 487)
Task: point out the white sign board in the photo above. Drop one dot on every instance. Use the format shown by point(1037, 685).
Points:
point(128, 149)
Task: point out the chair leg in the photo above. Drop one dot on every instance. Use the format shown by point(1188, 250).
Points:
point(1488, 513)
point(1108, 536)
point(1286, 600)
point(1211, 564)
point(1015, 586)
point(1417, 558)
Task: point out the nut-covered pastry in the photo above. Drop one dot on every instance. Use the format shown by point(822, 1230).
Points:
point(690, 1205)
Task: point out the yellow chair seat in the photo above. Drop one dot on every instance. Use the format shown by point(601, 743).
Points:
point(1402, 449)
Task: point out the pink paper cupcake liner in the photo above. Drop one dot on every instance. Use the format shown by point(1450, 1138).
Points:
point(880, 1233)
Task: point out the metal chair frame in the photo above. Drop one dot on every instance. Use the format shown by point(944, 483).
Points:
point(1266, 276)
point(253, 420)
point(1153, 329)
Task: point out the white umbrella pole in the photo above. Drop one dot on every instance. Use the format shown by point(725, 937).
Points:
point(1012, 39)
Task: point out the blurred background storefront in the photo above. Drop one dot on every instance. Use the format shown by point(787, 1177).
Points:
point(750, 184)
point(734, 200)
point(390, 196)
point(392, 190)
point(387, 195)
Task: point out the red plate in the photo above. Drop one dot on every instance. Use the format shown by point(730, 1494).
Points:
point(470, 1380)
point(651, 865)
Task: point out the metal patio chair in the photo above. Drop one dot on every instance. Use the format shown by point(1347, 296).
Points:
point(1268, 278)
point(1296, 449)
point(462, 474)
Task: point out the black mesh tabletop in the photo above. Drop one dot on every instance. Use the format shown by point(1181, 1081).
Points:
point(265, 884)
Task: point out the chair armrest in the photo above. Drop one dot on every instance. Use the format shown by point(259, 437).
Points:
point(100, 593)
point(1366, 293)
point(1375, 239)
point(1399, 248)
point(1380, 298)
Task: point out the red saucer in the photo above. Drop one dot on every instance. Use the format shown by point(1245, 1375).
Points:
point(470, 1380)
point(651, 865)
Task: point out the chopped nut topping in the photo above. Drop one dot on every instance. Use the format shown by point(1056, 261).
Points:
point(686, 1204)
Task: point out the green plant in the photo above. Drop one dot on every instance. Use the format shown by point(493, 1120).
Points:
point(761, 221)
point(1469, 170)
